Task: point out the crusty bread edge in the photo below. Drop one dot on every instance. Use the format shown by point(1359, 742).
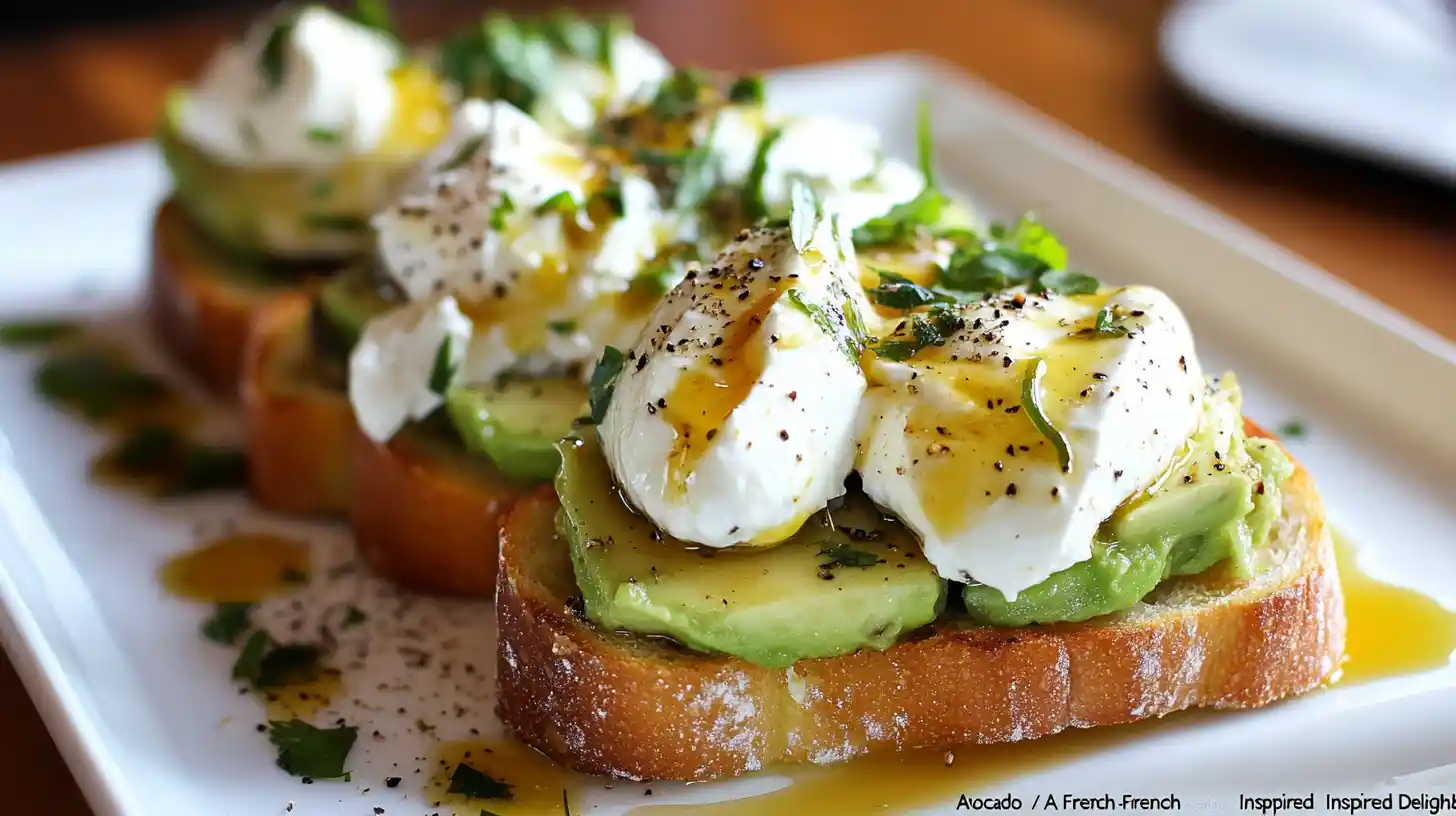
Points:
point(599, 703)
point(299, 432)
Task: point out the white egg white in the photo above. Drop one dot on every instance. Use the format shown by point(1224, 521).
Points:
point(733, 419)
point(949, 446)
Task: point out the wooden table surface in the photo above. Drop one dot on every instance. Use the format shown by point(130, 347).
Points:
point(1090, 63)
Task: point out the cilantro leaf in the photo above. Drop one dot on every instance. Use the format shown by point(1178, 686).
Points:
point(805, 214)
point(503, 208)
point(899, 292)
point(310, 752)
point(604, 381)
point(36, 332)
point(228, 623)
point(472, 784)
point(748, 89)
point(375, 14)
point(1103, 327)
point(1067, 282)
point(1293, 429)
point(444, 368)
point(250, 659)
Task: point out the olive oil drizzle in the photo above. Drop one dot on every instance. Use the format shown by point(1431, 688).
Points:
point(1391, 630)
point(239, 568)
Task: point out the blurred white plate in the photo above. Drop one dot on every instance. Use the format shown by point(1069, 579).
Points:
point(1375, 78)
point(142, 709)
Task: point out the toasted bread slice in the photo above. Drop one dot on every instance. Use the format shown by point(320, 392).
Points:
point(299, 427)
point(614, 704)
point(426, 514)
point(202, 301)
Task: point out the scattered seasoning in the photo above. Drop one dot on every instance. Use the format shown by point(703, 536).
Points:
point(1011, 489)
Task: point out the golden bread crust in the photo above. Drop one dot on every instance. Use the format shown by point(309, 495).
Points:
point(612, 704)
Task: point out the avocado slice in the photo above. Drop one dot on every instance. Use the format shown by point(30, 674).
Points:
point(1216, 504)
point(279, 212)
point(517, 423)
point(849, 579)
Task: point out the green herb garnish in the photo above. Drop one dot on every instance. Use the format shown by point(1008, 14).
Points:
point(805, 214)
point(1031, 403)
point(611, 197)
point(336, 222)
point(248, 665)
point(604, 381)
point(844, 555)
point(1067, 282)
point(679, 95)
point(228, 623)
point(310, 752)
point(562, 326)
point(754, 205)
point(273, 56)
point(848, 343)
point(1293, 429)
point(323, 135)
point(472, 784)
point(97, 383)
point(503, 208)
point(501, 58)
point(561, 202)
point(748, 89)
point(697, 174)
point(462, 154)
point(443, 370)
point(1103, 327)
point(924, 210)
point(899, 292)
point(932, 328)
point(375, 14)
point(36, 332)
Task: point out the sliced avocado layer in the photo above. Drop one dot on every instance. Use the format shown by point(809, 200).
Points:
point(849, 579)
point(517, 423)
point(1217, 504)
point(279, 212)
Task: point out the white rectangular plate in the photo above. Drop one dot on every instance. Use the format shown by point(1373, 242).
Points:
point(141, 707)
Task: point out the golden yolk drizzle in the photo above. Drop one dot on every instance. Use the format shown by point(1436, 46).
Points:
point(963, 461)
point(707, 393)
point(522, 311)
point(421, 110)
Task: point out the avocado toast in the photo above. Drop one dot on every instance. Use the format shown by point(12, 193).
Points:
point(291, 138)
point(911, 485)
point(514, 259)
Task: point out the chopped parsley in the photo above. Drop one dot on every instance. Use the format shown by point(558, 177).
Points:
point(849, 343)
point(248, 666)
point(1293, 429)
point(1103, 327)
point(604, 381)
point(263, 665)
point(228, 623)
point(1031, 403)
point(754, 205)
point(162, 455)
point(310, 752)
point(932, 328)
point(845, 555)
point(443, 370)
point(272, 58)
point(561, 202)
point(97, 383)
point(503, 208)
point(899, 292)
point(679, 95)
point(323, 135)
point(748, 89)
point(472, 784)
point(375, 14)
point(462, 154)
point(562, 326)
point(36, 332)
